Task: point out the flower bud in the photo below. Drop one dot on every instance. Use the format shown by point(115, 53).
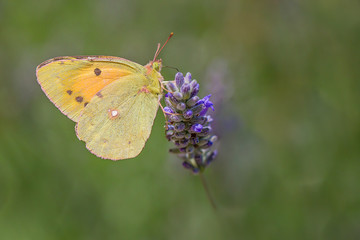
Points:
point(175, 118)
point(169, 132)
point(180, 126)
point(194, 90)
point(184, 142)
point(190, 149)
point(187, 165)
point(168, 110)
point(192, 101)
point(194, 140)
point(174, 150)
point(178, 96)
point(185, 90)
point(181, 106)
point(214, 138)
point(170, 127)
point(188, 77)
point(169, 103)
point(183, 150)
point(179, 79)
point(194, 84)
point(202, 142)
point(205, 131)
point(211, 157)
point(173, 100)
point(179, 135)
point(201, 120)
point(197, 109)
point(207, 145)
point(188, 114)
point(198, 159)
point(188, 136)
point(171, 86)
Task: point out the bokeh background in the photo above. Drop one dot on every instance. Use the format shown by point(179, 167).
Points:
point(285, 81)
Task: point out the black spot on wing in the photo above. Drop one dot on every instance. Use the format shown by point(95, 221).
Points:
point(79, 99)
point(99, 94)
point(97, 71)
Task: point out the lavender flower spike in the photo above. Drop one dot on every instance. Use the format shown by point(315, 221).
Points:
point(188, 125)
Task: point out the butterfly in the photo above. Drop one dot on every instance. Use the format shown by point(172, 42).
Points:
point(113, 101)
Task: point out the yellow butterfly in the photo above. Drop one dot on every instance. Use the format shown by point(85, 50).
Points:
point(113, 100)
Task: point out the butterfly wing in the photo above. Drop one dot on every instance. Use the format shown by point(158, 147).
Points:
point(117, 122)
point(71, 82)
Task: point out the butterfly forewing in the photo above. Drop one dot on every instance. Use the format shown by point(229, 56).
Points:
point(71, 82)
point(117, 122)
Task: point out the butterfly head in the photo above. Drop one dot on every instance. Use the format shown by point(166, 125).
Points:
point(157, 65)
point(154, 66)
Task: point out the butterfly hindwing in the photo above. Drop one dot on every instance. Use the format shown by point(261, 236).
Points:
point(71, 82)
point(117, 122)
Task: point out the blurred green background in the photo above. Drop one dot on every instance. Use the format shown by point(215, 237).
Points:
point(285, 82)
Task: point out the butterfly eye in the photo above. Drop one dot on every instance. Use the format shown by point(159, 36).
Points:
point(157, 65)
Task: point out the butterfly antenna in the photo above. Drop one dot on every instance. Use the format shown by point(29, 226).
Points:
point(172, 68)
point(159, 49)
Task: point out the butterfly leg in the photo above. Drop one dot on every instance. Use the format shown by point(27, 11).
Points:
point(164, 87)
point(165, 116)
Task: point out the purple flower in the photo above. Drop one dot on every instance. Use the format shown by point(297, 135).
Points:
point(196, 128)
point(188, 125)
point(206, 105)
point(206, 101)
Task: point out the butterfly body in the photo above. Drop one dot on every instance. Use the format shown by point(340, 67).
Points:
point(113, 100)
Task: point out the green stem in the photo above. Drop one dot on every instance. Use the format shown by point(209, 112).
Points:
point(211, 199)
